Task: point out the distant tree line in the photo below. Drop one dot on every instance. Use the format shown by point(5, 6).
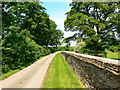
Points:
point(27, 32)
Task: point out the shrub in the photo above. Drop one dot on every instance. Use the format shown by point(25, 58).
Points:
point(113, 48)
point(19, 50)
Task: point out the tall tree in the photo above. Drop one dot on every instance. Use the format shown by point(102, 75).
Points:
point(25, 25)
point(32, 17)
point(96, 23)
point(55, 35)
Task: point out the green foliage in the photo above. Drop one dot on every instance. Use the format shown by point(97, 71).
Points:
point(20, 50)
point(60, 48)
point(96, 23)
point(27, 31)
point(113, 55)
point(113, 48)
point(5, 75)
point(81, 48)
point(32, 17)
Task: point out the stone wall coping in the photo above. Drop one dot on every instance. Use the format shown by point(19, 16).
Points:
point(104, 60)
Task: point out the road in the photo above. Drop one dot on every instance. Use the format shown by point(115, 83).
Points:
point(30, 77)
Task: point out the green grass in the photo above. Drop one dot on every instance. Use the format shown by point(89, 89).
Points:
point(110, 55)
point(11, 72)
point(5, 75)
point(113, 55)
point(60, 75)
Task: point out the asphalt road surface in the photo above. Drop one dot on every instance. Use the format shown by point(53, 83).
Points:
point(30, 77)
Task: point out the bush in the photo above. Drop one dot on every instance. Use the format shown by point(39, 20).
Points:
point(113, 48)
point(19, 50)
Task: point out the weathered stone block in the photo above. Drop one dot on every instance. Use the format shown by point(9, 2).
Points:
point(94, 71)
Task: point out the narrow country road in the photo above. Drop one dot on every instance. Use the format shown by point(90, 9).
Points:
point(30, 77)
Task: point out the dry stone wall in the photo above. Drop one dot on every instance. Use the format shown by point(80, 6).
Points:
point(94, 71)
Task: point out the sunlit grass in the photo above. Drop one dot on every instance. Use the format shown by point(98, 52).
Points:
point(11, 72)
point(113, 55)
point(60, 75)
point(5, 75)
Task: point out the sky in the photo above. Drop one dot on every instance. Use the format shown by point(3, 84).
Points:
point(56, 12)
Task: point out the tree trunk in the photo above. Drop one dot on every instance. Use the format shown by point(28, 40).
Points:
point(96, 49)
point(96, 52)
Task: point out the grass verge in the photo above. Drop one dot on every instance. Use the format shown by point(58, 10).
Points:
point(60, 75)
point(5, 75)
point(113, 55)
point(11, 72)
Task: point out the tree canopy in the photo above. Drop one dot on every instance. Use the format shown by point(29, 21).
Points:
point(97, 23)
point(27, 31)
point(32, 17)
